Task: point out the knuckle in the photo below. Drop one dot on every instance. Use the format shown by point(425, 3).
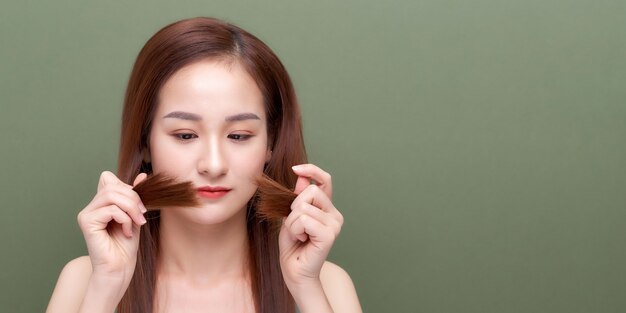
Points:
point(295, 205)
point(331, 236)
point(301, 207)
point(106, 175)
point(303, 218)
point(107, 194)
point(136, 197)
point(123, 218)
point(80, 218)
point(310, 209)
point(112, 209)
point(335, 226)
point(126, 204)
point(299, 204)
point(314, 188)
point(112, 197)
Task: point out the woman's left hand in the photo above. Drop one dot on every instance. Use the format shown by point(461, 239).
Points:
point(310, 230)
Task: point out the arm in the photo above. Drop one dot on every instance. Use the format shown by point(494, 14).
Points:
point(305, 240)
point(334, 292)
point(110, 224)
point(77, 290)
point(339, 289)
point(71, 286)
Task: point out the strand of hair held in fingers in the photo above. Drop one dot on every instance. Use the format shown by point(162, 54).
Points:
point(159, 190)
point(273, 199)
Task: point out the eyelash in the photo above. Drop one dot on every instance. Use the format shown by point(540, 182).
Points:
point(184, 137)
point(241, 137)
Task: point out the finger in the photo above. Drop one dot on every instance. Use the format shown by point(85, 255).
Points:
point(100, 219)
point(315, 196)
point(333, 221)
point(297, 231)
point(141, 177)
point(286, 240)
point(125, 221)
point(308, 210)
point(108, 178)
point(304, 208)
point(301, 184)
point(105, 194)
point(313, 230)
point(133, 207)
point(126, 199)
point(312, 172)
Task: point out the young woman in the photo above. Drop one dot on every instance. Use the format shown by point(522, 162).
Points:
point(208, 103)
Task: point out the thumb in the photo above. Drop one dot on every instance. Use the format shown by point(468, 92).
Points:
point(301, 184)
point(141, 177)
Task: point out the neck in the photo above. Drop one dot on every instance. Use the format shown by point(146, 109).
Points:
point(204, 254)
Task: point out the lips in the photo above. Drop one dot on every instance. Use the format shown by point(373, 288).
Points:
point(211, 192)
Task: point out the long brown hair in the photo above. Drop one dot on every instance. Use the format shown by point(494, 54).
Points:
point(173, 47)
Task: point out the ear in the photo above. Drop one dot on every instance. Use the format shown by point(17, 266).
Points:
point(268, 155)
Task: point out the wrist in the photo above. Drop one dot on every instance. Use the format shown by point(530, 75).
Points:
point(103, 293)
point(100, 275)
point(309, 296)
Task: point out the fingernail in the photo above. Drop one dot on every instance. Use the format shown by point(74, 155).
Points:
point(142, 208)
point(142, 219)
point(296, 167)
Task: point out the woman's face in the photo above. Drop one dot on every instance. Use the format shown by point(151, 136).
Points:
point(210, 129)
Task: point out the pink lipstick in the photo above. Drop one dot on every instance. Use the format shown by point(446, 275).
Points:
point(212, 192)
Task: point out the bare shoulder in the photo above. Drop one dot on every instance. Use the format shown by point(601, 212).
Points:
point(71, 285)
point(339, 288)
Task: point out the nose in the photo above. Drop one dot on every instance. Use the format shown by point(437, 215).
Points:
point(212, 161)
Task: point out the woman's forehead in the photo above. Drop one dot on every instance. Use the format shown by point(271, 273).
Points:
point(211, 87)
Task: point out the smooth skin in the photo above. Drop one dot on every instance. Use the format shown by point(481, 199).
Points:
point(220, 139)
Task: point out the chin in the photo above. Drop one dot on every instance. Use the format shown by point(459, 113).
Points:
point(212, 215)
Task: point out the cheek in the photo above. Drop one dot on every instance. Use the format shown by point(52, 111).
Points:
point(166, 157)
point(249, 164)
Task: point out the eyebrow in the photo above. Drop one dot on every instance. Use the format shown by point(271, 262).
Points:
point(195, 117)
point(242, 117)
point(184, 116)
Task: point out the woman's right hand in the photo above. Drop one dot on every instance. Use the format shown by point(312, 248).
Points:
point(111, 224)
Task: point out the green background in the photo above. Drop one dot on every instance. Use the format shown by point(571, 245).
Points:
point(477, 147)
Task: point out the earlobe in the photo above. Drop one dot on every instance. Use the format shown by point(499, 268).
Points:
point(268, 155)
